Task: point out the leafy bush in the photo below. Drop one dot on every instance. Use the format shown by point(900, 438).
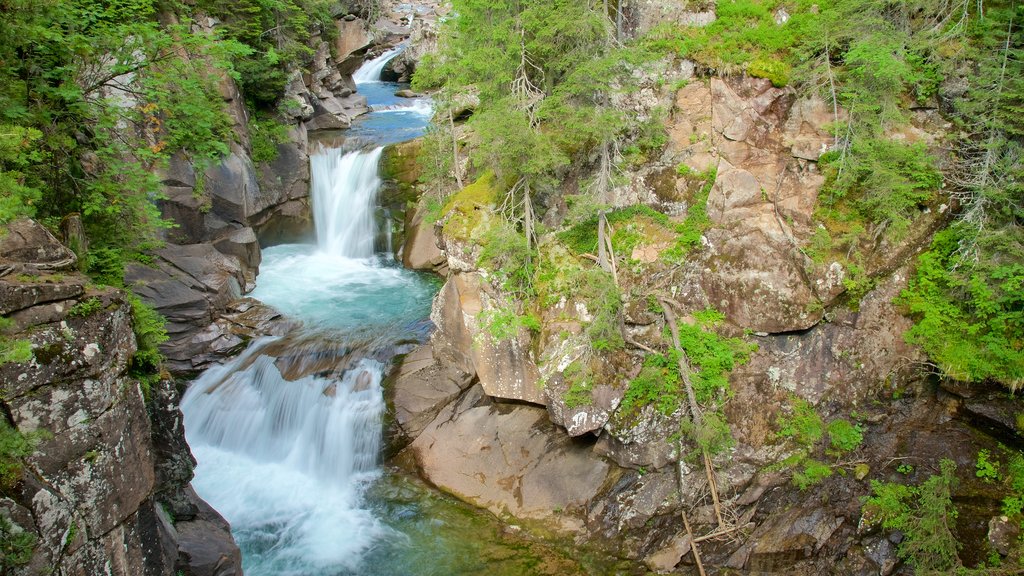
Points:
point(986, 468)
point(150, 332)
point(844, 436)
point(924, 514)
point(86, 307)
point(803, 425)
point(16, 546)
point(582, 237)
point(813, 472)
point(883, 181)
point(264, 135)
point(504, 323)
point(968, 317)
point(506, 255)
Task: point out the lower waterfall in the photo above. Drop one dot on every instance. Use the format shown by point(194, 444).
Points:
point(285, 454)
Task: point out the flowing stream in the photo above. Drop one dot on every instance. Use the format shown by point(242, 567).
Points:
point(288, 434)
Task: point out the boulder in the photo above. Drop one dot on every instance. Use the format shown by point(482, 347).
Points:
point(420, 251)
point(421, 388)
point(509, 459)
point(188, 286)
point(505, 368)
point(352, 37)
point(205, 544)
point(787, 538)
point(26, 243)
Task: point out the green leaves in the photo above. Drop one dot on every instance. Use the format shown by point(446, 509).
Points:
point(924, 514)
point(969, 316)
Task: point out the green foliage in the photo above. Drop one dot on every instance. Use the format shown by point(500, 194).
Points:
point(743, 32)
point(881, 181)
point(714, 435)
point(803, 425)
point(95, 95)
point(604, 302)
point(582, 237)
point(19, 192)
point(469, 208)
point(13, 349)
point(986, 468)
point(150, 332)
point(506, 256)
point(265, 134)
point(711, 358)
point(844, 436)
point(969, 318)
point(581, 385)
point(275, 34)
point(86, 307)
point(505, 323)
point(924, 514)
point(1013, 505)
point(658, 385)
point(14, 448)
point(16, 546)
point(812, 472)
point(776, 71)
point(696, 223)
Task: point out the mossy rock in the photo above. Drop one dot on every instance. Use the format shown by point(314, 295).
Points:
point(469, 209)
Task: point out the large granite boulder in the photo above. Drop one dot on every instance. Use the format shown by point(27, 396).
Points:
point(509, 459)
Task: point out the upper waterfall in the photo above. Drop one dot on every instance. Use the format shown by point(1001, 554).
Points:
point(370, 71)
point(345, 187)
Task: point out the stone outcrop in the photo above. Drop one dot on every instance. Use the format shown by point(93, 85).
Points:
point(763, 144)
point(508, 459)
point(504, 367)
point(93, 495)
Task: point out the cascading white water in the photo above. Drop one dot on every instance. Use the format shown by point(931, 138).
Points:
point(345, 187)
point(370, 71)
point(284, 461)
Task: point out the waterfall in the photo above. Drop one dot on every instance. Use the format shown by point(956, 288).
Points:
point(285, 460)
point(370, 71)
point(328, 429)
point(345, 187)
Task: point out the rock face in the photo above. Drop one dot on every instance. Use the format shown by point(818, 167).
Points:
point(467, 406)
point(508, 459)
point(763, 147)
point(504, 367)
point(91, 495)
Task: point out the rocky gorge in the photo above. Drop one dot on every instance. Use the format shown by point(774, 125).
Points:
point(495, 419)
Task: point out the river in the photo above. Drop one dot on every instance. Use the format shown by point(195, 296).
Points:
point(288, 435)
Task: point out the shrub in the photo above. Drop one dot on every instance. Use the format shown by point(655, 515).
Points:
point(14, 448)
point(265, 134)
point(986, 468)
point(804, 424)
point(844, 436)
point(813, 472)
point(86, 307)
point(924, 514)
